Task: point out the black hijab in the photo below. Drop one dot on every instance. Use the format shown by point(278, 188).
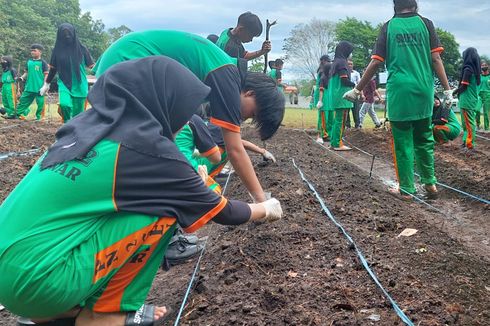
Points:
point(142, 111)
point(67, 54)
point(8, 63)
point(472, 63)
point(342, 52)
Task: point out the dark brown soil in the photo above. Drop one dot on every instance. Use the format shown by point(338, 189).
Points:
point(301, 270)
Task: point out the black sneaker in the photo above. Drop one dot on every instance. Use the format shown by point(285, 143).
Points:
point(2, 111)
point(180, 251)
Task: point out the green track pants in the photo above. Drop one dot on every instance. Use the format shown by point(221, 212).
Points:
point(413, 140)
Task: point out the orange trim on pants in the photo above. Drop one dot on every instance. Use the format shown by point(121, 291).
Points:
point(394, 158)
point(438, 129)
point(123, 254)
point(344, 118)
point(14, 97)
point(469, 131)
point(324, 124)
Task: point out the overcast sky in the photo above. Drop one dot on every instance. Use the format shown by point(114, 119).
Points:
point(468, 20)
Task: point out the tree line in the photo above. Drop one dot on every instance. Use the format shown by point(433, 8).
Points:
point(307, 42)
point(24, 22)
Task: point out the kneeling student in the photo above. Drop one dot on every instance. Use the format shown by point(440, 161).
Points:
point(445, 124)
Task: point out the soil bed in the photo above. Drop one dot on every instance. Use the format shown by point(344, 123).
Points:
point(300, 270)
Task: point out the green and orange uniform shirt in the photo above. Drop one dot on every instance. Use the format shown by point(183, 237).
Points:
point(68, 245)
point(468, 104)
point(73, 101)
point(405, 44)
point(209, 63)
point(231, 44)
point(196, 135)
point(338, 105)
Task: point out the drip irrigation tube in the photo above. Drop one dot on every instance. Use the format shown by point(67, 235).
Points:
point(380, 178)
point(478, 136)
point(196, 268)
point(485, 201)
point(4, 156)
point(9, 127)
point(395, 306)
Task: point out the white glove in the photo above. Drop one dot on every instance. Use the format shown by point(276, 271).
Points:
point(352, 95)
point(202, 170)
point(319, 105)
point(273, 210)
point(44, 89)
point(448, 97)
point(268, 156)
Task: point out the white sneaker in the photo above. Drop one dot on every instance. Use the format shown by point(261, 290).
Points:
point(342, 148)
point(319, 141)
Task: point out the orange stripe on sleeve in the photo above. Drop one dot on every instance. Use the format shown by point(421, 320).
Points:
point(206, 217)
point(438, 49)
point(377, 57)
point(211, 151)
point(465, 82)
point(224, 124)
point(114, 179)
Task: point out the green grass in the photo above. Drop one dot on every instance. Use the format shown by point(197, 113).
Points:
point(50, 113)
point(306, 118)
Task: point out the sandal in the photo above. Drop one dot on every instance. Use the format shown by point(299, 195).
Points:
point(432, 192)
point(402, 196)
point(144, 316)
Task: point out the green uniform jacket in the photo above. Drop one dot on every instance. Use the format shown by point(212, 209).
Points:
point(469, 98)
point(405, 44)
point(35, 75)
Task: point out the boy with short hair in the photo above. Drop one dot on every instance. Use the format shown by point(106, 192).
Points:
point(231, 39)
point(235, 95)
point(34, 76)
point(9, 75)
point(276, 74)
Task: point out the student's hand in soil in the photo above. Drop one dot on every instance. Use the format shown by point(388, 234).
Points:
point(268, 156)
point(266, 47)
point(273, 210)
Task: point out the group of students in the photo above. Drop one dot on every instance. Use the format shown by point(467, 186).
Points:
point(123, 175)
point(410, 49)
point(69, 59)
point(108, 196)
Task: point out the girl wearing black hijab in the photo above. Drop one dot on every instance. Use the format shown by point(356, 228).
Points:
point(108, 195)
point(69, 59)
point(9, 76)
point(339, 83)
point(467, 93)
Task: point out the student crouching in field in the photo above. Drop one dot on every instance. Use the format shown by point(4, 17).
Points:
point(107, 197)
point(445, 124)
